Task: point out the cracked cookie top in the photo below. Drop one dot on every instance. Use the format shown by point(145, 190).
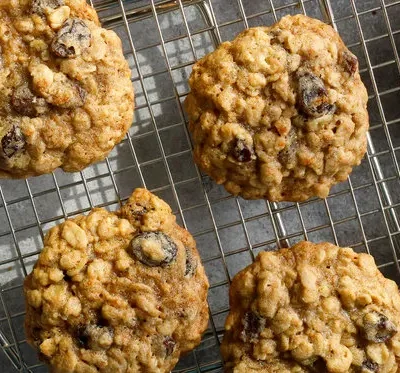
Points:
point(117, 292)
point(312, 308)
point(66, 97)
point(280, 112)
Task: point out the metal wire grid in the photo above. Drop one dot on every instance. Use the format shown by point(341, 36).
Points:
point(162, 39)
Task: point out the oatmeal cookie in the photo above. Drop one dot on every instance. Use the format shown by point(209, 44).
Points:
point(279, 112)
point(117, 292)
point(313, 308)
point(66, 96)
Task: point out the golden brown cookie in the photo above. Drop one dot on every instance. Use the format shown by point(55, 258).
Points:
point(66, 97)
point(312, 308)
point(280, 112)
point(117, 292)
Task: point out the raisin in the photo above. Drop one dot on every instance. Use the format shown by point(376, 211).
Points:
point(94, 337)
point(288, 155)
point(349, 61)
point(313, 97)
point(241, 151)
point(82, 95)
point(155, 249)
point(276, 39)
point(253, 325)
point(82, 337)
point(39, 6)
point(169, 345)
point(191, 264)
point(13, 142)
point(138, 211)
point(134, 212)
point(369, 366)
point(24, 102)
point(378, 328)
point(73, 37)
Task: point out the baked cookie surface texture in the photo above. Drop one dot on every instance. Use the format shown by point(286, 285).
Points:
point(117, 292)
point(280, 112)
point(312, 308)
point(66, 97)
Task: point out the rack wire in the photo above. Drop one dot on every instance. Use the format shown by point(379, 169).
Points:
point(162, 40)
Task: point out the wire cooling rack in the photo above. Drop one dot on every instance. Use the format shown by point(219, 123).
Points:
point(162, 40)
